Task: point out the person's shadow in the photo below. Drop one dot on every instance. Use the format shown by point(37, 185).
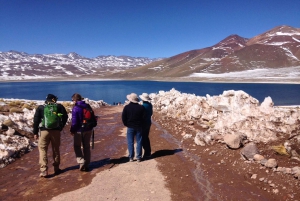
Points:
point(117, 161)
point(121, 160)
point(93, 165)
point(157, 154)
point(164, 152)
point(100, 163)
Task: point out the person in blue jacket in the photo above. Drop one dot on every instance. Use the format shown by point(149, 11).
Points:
point(82, 135)
point(147, 124)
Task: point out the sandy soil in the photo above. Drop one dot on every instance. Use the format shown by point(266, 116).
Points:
point(129, 181)
point(178, 170)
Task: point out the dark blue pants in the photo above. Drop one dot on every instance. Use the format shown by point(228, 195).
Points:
point(146, 140)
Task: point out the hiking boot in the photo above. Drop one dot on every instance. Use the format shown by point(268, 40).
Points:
point(44, 174)
point(81, 167)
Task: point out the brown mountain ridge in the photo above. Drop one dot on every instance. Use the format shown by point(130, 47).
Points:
point(274, 49)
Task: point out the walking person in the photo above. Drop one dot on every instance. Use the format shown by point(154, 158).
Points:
point(82, 134)
point(147, 124)
point(49, 119)
point(133, 116)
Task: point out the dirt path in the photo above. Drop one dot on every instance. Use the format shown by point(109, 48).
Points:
point(126, 181)
point(129, 181)
point(178, 170)
point(111, 176)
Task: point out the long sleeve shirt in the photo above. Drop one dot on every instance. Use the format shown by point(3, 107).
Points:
point(149, 111)
point(133, 115)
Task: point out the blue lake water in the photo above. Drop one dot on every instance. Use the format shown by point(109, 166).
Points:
point(116, 91)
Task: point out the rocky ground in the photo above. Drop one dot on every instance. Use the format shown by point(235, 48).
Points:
point(223, 174)
point(188, 171)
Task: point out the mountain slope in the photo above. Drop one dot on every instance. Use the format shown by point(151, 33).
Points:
point(14, 63)
point(276, 48)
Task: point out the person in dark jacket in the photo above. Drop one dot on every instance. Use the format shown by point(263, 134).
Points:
point(82, 135)
point(133, 117)
point(48, 135)
point(147, 124)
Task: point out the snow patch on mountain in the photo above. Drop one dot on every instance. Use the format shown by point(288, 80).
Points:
point(283, 34)
point(281, 73)
point(16, 65)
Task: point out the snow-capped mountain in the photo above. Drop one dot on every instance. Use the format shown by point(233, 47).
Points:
point(15, 64)
point(274, 49)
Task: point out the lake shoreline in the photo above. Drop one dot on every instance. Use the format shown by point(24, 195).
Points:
point(168, 79)
point(115, 91)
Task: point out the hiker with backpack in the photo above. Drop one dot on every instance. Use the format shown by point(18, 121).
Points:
point(49, 119)
point(83, 122)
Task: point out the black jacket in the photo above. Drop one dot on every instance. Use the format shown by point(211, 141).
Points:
point(133, 115)
point(39, 114)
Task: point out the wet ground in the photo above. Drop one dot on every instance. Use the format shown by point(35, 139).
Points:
point(20, 181)
point(191, 172)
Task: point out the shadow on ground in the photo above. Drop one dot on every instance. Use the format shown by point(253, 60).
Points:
point(157, 154)
point(165, 152)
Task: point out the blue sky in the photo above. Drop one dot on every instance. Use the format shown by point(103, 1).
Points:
point(146, 28)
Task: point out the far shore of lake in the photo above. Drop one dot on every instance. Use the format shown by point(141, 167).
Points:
point(166, 79)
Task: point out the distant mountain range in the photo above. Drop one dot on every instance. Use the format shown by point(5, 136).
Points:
point(274, 49)
point(20, 64)
point(277, 48)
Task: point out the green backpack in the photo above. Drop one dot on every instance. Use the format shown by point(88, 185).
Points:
point(52, 119)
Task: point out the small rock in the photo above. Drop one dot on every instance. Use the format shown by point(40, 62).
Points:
point(258, 157)
point(8, 123)
point(186, 136)
point(288, 171)
point(263, 161)
point(249, 151)
point(198, 141)
point(279, 169)
point(254, 176)
point(212, 152)
point(271, 163)
point(232, 140)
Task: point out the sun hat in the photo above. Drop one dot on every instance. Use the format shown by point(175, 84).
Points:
point(132, 98)
point(51, 98)
point(145, 97)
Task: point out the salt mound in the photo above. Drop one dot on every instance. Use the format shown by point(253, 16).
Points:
point(233, 112)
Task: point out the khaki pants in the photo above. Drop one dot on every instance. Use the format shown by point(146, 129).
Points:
point(45, 138)
point(83, 156)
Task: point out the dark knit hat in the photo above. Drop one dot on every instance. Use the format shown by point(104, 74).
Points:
point(51, 98)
